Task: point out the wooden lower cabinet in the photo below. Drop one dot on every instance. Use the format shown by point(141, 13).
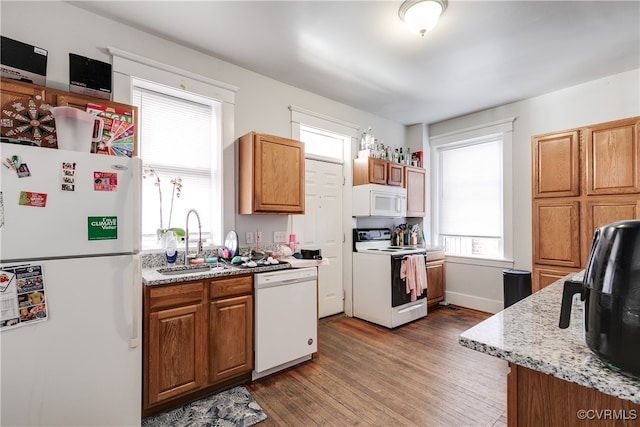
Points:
point(230, 337)
point(537, 399)
point(198, 339)
point(544, 275)
point(435, 282)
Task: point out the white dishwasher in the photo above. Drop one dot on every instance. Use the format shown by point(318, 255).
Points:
point(286, 319)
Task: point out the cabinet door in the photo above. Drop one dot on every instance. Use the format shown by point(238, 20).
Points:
point(604, 211)
point(271, 175)
point(613, 158)
point(544, 275)
point(176, 355)
point(556, 165)
point(230, 337)
point(556, 233)
point(416, 191)
point(395, 174)
point(13, 89)
point(435, 282)
point(369, 170)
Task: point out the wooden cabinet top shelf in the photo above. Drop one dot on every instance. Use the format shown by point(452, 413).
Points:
point(12, 90)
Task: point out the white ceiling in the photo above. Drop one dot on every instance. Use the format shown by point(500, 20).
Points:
point(480, 55)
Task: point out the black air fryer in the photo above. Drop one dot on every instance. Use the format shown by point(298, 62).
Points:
point(611, 292)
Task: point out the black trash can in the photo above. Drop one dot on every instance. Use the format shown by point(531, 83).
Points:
point(517, 286)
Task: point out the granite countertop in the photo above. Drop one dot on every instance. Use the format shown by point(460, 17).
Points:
point(151, 277)
point(528, 335)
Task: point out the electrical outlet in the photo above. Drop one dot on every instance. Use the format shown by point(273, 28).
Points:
point(249, 237)
point(279, 237)
point(258, 236)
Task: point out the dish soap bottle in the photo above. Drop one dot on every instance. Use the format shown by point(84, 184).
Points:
point(171, 247)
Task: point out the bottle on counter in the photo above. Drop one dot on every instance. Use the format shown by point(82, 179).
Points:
point(171, 247)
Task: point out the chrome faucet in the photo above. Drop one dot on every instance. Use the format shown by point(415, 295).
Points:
point(186, 248)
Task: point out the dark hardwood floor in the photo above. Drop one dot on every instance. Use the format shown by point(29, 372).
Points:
point(367, 375)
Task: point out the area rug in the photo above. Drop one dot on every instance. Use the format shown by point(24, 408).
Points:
point(231, 408)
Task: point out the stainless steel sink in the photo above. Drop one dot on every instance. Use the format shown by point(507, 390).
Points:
point(187, 269)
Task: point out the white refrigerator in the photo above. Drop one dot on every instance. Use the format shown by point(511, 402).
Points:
point(70, 278)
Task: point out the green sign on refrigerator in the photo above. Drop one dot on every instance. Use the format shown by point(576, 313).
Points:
point(103, 227)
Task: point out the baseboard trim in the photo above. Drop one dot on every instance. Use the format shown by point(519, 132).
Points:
point(474, 302)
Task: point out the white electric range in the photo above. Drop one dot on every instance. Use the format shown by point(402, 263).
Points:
point(379, 294)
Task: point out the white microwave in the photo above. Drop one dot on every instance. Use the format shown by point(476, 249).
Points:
point(379, 200)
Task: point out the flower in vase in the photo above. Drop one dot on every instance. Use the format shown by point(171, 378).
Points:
point(175, 193)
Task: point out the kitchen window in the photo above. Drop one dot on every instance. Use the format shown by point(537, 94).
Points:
point(323, 144)
point(179, 140)
point(471, 198)
point(473, 210)
point(179, 155)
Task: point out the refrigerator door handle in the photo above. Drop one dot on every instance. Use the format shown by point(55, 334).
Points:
point(135, 303)
point(137, 227)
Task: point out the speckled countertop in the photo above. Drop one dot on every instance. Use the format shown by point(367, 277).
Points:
point(528, 335)
point(151, 277)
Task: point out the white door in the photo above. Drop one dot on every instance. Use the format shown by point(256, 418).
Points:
point(321, 227)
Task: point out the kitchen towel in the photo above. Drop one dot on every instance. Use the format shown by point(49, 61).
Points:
point(414, 271)
point(234, 407)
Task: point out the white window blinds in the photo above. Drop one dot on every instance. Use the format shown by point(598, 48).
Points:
point(471, 189)
point(178, 139)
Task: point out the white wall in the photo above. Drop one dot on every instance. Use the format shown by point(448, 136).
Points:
point(607, 99)
point(261, 103)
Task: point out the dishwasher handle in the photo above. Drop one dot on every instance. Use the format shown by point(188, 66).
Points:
point(286, 282)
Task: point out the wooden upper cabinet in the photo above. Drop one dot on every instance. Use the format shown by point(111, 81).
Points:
point(556, 233)
point(415, 183)
point(368, 170)
point(271, 175)
point(395, 174)
point(13, 89)
point(613, 157)
point(556, 164)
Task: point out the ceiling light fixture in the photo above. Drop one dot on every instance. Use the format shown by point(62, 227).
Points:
point(422, 15)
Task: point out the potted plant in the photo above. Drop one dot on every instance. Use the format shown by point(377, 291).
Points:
point(175, 193)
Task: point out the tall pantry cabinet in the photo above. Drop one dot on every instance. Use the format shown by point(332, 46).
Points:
point(582, 179)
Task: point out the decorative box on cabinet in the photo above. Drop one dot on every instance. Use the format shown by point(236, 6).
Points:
point(415, 183)
point(271, 175)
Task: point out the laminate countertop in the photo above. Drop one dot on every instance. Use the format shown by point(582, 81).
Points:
point(527, 334)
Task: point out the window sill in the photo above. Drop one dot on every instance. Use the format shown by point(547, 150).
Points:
point(479, 261)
